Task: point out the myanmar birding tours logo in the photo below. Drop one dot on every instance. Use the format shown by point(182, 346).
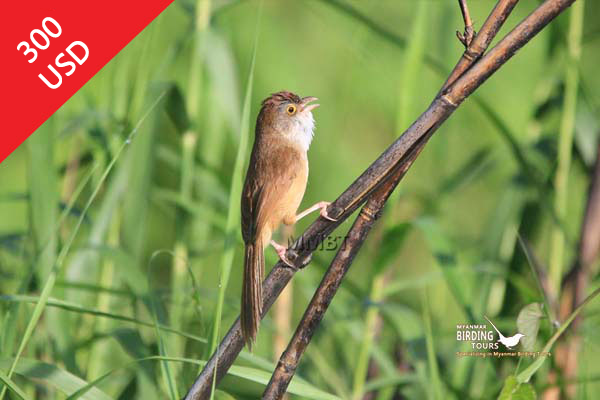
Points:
point(481, 337)
point(508, 342)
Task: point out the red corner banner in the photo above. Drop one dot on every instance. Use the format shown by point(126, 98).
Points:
point(50, 49)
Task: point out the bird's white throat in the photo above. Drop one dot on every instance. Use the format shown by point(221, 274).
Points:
point(304, 129)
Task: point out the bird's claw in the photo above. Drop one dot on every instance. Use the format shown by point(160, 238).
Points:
point(281, 252)
point(323, 205)
point(285, 260)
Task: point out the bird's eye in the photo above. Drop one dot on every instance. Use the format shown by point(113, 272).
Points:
point(291, 109)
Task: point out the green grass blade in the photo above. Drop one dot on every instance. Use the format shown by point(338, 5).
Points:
point(328, 371)
point(157, 312)
point(370, 326)
point(179, 264)
point(197, 210)
point(526, 375)
point(565, 143)
point(12, 387)
point(413, 65)
point(167, 373)
point(235, 192)
point(535, 266)
point(392, 381)
point(43, 220)
point(69, 306)
point(43, 197)
point(434, 370)
point(43, 205)
point(444, 251)
point(513, 390)
point(54, 376)
point(51, 280)
point(11, 316)
point(101, 353)
point(298, 386)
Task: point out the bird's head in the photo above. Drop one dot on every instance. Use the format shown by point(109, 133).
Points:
point(519, 335)
point(288, 115)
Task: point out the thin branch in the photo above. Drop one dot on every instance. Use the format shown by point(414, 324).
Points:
point(482, 40)
point(358, 233)
point(331, 281)
point(467, 37)
point(384, 167)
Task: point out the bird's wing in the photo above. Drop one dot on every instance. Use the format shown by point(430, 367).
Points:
point(251, 198)
point(272, 169)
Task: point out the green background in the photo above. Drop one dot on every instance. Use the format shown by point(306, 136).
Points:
point(160, 244)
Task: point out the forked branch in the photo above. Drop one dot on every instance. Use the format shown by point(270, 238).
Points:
point(458, 87)
point(475, 49)
point(358, 233)
point(467, 36)
point(333, 278)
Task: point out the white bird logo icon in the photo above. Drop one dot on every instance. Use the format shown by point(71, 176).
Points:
point(508, 342)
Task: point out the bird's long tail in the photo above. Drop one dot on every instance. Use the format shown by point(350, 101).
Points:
point(254, 266)
point(488, 320)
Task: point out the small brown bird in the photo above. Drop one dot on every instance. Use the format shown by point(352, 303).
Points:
point(275, 184)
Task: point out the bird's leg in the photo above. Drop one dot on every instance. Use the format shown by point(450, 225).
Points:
point(281, 250)
point(322, 205)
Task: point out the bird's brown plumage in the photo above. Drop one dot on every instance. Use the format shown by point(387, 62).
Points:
point(274, 187)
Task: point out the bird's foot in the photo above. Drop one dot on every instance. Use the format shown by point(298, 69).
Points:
point(323, 206)
point(281, 252)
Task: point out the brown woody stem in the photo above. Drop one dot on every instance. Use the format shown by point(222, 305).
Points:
point(482, 40)
point(332, 279)
point(467, 37)
point(381, 170)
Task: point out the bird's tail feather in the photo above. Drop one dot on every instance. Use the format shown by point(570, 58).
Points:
point(254, 266)
point(496, 329)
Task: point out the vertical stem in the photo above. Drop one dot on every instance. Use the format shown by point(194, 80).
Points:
point(565, 143)
point(282, 310)
point(434, 374)
point(575, 285)
point(100, 351)
point(70, 177)
point(412, 68)
point(364, 355)
point(202, 18)
point(180, 251)
point(188, 146)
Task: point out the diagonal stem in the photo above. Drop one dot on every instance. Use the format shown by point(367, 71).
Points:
point(481, 41)
point(358, 233)
point(378, 172)
point(332, 279)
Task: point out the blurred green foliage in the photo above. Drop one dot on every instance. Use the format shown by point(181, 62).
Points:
point(142, 169)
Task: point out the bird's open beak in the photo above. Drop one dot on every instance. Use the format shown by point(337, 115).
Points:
point(306, 106)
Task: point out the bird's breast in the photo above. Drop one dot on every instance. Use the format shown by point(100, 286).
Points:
point(291, 196)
